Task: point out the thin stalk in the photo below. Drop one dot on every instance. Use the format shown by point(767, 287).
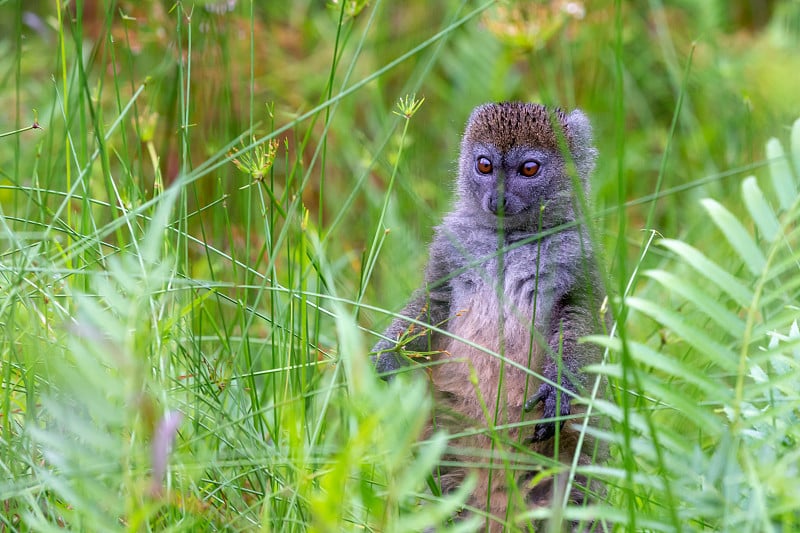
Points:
point(621, 256)
point(380, 230)
point(66, 110)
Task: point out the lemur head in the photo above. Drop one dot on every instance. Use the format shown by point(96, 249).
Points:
point(513, 165)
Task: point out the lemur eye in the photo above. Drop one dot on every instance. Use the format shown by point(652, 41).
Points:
point(529, 168)
point(483, 165)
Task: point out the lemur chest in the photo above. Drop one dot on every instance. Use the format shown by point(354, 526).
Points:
point(502, 304)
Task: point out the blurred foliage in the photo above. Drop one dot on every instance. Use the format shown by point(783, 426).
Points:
point(557, 52)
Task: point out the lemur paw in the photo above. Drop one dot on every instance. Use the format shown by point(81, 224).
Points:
point(387, 361)
point(549, 396)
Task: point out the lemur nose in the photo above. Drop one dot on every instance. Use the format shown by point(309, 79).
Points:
point(495, 203)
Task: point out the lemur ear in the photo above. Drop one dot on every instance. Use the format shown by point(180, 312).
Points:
point(580, 128)
point(583, 151)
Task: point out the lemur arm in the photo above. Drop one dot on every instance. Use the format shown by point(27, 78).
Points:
point(430, 305)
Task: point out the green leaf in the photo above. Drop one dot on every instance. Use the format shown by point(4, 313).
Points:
point(415, 471)
point(592, 512)
point(737, 236)
point(782, 179)
point(670, 394)
point(720, 277)
point(729, 321)
point(760, 210)
point(439, 510)
point(151, 247)
point(669, 365)
point(698, 339)
point(610, 472)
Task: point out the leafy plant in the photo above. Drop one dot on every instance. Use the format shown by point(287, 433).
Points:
point(711, 425)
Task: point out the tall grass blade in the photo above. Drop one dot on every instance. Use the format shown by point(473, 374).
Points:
point(795, 144)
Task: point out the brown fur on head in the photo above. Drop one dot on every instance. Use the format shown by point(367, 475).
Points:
point(509, 124)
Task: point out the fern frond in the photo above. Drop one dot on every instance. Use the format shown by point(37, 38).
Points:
point(719, 382)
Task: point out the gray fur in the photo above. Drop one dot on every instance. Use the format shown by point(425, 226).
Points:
point(490, 277)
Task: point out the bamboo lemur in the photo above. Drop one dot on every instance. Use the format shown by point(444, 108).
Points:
point(512, 279)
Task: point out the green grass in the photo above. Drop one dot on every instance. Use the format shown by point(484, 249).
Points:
point(218, 212)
